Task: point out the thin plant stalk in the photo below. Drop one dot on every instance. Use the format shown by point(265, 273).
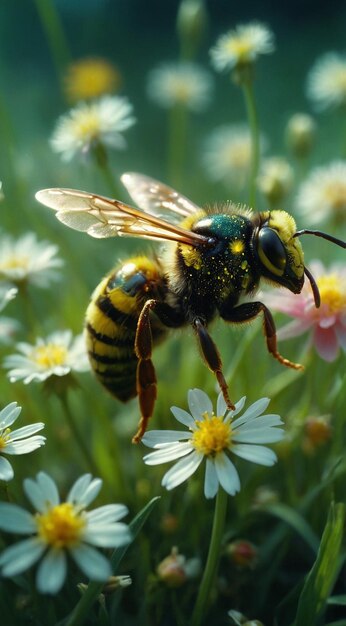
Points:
point(255, 140)
point(177, 143)
point(85, 452)
point(54, 31)
point(101, 158)
point(212, 560)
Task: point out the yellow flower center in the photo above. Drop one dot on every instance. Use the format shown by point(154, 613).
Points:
point(339, 79)
point(240, 48)
point(87, 125)
point(61, 526)
point(335, 194)
point(49, 355)
point(181, 90)
point(332, 293)
point(14, 262)
point(4, 438)
point(212, 435)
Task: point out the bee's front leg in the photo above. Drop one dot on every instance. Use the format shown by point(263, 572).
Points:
point(248, 311)
point(212, 358)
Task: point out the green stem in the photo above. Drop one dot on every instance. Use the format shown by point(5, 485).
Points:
point(213, 558)
point(102, 161)
point(77, 436)
point(52, 26)
point(177, 144)
point(255, 151)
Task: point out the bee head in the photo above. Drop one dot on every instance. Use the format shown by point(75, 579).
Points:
point(280, 254)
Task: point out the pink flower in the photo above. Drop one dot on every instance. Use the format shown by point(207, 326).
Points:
point(328, 323)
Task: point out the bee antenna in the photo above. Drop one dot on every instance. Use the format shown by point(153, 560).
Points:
point(314, 287)
point(319, 233)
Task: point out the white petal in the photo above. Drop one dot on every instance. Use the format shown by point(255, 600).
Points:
point(15, 519)
point(92, 563)
point(26, 446)
point(170, 453)
point(221, 406)
point(182, 416)
point(26, 431)
point(227, 474)
point(152, 438)
point(6, 470)
point(51, 573)
point(43, 493)
point(259, 435)
point(19, 557)
point(199, 403)
point(9, 414)
point(78, 488)
point(253, 411)
point(88, 495)
point(107, 535)
point(238, 407)
point(211, 483)
point(255, 454)
point(182, 470)
point(107, 513)
point(268, 420)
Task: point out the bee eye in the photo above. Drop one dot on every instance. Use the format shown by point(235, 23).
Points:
point(271, 251)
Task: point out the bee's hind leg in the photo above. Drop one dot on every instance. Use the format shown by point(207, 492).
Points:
point(146, 376)
point(212, 358)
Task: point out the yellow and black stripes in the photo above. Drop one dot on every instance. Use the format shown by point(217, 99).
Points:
point(111, 322)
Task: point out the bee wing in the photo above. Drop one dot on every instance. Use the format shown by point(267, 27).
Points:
point(102, 217)
point(156, 198)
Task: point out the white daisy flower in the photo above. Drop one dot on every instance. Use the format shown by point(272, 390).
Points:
point(241, 46)
point(182, 83)
point(326, 83)
point(20, 441)
point(28, 260)
point(91, 124)
point(57, 355)
point(213, 436)
point(58, 529)
point(275, 179)
point(228, 153)
point(300, 133)
point(323, 194)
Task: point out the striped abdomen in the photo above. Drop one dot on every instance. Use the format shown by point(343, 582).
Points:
point(111, 322)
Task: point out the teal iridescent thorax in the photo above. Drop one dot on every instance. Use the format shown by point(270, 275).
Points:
point(224, 268)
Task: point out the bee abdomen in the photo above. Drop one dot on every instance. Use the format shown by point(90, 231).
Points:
point(111, 323)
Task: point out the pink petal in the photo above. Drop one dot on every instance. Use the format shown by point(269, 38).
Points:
point(326, 343)
point(294, 329)
point(341, 335)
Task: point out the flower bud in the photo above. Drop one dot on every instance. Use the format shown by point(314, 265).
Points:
point(242, 553)
point(300, 134)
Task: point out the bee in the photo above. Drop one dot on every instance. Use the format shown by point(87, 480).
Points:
point(211, 258)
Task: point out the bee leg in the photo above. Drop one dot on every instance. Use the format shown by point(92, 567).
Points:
point(146, 376)
point(249, 310)
point(212, 358)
